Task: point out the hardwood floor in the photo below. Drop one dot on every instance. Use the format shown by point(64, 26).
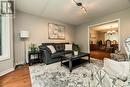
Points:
point(21, 77)
point(99, 55)
point(18, 78)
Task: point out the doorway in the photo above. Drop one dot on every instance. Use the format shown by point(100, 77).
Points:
point(104, 39)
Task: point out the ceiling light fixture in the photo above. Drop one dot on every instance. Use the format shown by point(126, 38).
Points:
point(111, 31)
point(79, 4)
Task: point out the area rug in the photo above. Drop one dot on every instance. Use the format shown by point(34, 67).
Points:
point(55, 75)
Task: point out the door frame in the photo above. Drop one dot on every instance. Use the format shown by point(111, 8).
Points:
point(89, 27)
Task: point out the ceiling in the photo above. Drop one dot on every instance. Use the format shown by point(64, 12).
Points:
point(66, 10)
point(106, 27)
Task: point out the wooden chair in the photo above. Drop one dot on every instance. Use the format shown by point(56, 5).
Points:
point(108, 46)
point(114, 42)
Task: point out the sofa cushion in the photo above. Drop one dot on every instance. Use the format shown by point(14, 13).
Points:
point(51, 48)
point(56, 55)
point(45, 44)
point(44, 47)
point(59, 47)
point(68, 47)
point(68, 51)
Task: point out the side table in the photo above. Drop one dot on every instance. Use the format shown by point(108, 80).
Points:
point(37, 57)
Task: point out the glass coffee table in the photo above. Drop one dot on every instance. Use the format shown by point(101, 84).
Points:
point(73, 61)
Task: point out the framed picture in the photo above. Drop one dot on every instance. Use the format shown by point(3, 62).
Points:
point(56, 31)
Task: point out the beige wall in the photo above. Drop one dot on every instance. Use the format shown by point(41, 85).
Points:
point(94, 36)
point(38, 29)
point(81, 33)
point(101, 36)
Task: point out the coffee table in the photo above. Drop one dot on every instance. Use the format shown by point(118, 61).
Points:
point(74, 61)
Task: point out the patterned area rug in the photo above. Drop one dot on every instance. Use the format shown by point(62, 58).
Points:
point(87, 75)
point(55, 75)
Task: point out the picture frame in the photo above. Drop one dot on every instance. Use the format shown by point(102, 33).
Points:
point(56, 31)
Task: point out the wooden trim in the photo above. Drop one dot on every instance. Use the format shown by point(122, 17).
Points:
point(118, 20)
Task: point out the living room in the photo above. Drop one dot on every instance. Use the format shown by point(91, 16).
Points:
point(41, 28)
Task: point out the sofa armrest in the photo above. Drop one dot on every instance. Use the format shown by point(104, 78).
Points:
point(47, 56)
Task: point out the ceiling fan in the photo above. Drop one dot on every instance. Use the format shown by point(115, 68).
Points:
point(79, 4)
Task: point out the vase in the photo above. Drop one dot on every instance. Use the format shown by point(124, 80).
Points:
point(76, 53)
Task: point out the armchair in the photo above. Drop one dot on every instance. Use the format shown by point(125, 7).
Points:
point(118, 71)
point(108, 46)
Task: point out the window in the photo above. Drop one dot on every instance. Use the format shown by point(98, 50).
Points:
point(4, 37)
point(111, 37)
point(0, 36)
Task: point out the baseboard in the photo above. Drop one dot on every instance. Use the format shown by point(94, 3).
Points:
point(6, 71)
point(19, 63)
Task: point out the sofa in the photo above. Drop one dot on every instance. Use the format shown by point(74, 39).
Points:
point(50, 57)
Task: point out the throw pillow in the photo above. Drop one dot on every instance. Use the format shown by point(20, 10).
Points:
point(52, 49)
point(59, 47)
point(68, 47)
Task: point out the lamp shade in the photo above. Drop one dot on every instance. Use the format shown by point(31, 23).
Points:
point(24, 34)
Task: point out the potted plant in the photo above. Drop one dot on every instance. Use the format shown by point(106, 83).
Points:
point(76, 49)
point(33, 47)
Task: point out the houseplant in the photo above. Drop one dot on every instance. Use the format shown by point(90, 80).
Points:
point(76, 49)
point(33, 47)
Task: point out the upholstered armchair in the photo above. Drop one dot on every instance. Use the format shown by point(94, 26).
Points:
point(108, 46)
point(119, 72)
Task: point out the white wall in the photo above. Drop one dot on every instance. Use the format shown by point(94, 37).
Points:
point(94, 36)
point(81, 33)
point(101, 36)
point(81, 37)
point(38, 29)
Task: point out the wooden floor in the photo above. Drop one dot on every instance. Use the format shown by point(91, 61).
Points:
point(18, 78)
point(99, 54)
point(21, 77)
